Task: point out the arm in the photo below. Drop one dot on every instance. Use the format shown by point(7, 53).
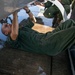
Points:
point(14, 28)
point(31, 16)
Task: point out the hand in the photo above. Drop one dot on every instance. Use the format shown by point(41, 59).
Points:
point(26, 8)
point(15, 13)
point(37, 3)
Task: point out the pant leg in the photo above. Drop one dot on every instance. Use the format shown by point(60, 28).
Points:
point(60, 39)
point(49, 43)
point(58, 42)
point(67, 24)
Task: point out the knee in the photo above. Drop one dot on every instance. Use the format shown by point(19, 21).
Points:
point(69, 20)
point(73, 29)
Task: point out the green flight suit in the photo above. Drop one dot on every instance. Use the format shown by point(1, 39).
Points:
point(50, 43)
point(52, 10)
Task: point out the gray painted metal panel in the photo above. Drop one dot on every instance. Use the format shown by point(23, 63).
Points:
point(9, 6)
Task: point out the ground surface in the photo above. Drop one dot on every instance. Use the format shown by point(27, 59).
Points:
point(17, 62)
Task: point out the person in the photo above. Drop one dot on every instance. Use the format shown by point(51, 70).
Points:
point(27, 39)
point(52, 11)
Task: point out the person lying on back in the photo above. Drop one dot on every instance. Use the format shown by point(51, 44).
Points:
point(27, 39)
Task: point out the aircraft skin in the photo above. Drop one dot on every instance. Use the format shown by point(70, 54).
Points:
point(9, 6)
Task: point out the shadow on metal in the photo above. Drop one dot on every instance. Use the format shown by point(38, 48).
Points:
point(9, 6)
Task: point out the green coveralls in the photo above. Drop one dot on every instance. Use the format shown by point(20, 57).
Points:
point(50, 43)
point(52, 10)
